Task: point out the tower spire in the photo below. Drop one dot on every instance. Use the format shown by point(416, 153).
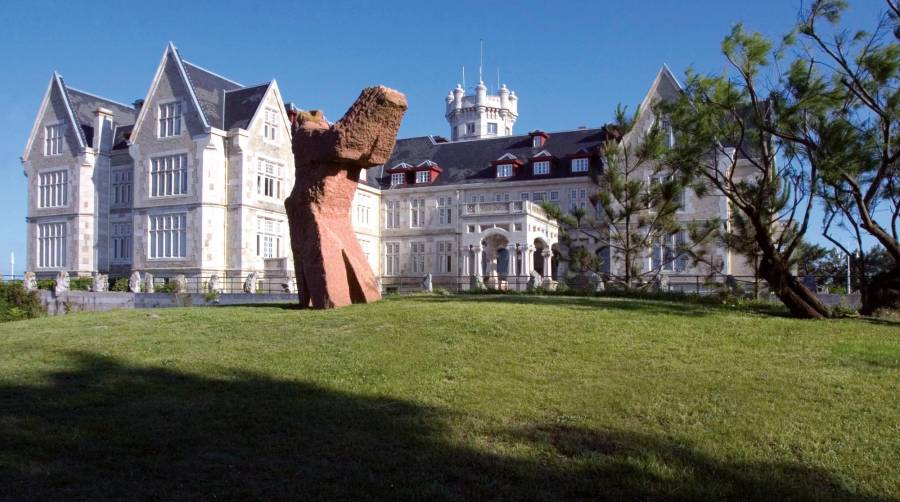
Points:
point(480, 59)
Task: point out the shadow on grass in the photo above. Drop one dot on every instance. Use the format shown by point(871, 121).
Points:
point(103, 429)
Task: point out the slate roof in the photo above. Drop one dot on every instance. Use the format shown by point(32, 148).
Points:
point(209, 89)
point(84, 104)
point(471, 161)
point(241, 104)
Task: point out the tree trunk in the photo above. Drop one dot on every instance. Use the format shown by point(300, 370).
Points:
point(883, 292)
point(800, 301)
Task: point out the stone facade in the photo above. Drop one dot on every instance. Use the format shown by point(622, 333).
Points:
point(104, 196)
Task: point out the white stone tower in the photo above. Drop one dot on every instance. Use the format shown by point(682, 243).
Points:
point(481, 115)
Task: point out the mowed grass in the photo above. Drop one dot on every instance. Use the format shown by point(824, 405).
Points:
point(432, 397)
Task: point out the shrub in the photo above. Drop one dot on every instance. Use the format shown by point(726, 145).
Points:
point(17, 303)
point(121, 284)
point(166, 287)
point(80, 284)
point(46, 284)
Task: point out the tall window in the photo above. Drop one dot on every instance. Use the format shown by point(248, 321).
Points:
point(168, 235)
point(120, 242)
point(504, 170)
point(392, 214)
point(417, 257)
point(577, 198)
point(121, 187)
point(554, 196)
point(580, 165)
point(170, 119)
point(363, 209)
point(268, 179)
point(423, 177)
point(268, 238)
point(51, 245)
point(492, 128)
point(445, 257)
point(392, 258)
point(470, 128)
point(417, 213)
point(445, 210)
point(271, 124)
point(542, 167)
point(53, 139)
point(398, 179)
point(668, 133)
point(168, 175)
point(668, 253)
point(53, 189)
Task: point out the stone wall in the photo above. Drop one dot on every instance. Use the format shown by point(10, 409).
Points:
point(86, 301)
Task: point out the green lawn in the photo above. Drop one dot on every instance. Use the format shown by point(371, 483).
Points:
point(434, 397)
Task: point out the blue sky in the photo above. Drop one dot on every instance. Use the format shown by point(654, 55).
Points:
point(569, 62)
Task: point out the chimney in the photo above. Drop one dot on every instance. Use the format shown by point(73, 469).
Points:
point(138, 104)
point(103, 129)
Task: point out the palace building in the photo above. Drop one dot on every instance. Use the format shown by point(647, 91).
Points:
point(191, 180)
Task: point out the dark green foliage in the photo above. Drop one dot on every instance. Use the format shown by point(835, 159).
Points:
point(121, 284)
point(16, 303)
point(80, 284)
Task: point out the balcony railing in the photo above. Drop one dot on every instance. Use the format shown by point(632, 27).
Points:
point(512, 207)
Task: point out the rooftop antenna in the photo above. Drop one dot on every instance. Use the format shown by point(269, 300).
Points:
point(464, 77)
point(498, 79)
point(481, 60)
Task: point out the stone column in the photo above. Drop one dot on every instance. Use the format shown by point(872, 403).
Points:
point(528, 256)
point(548, 274)
point(477, 271)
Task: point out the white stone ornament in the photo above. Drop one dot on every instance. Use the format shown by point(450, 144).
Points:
point(62, 282)
point(148, 283)
point(250, 283)
point(134, 282)
point(179, 284)
point(427, 285)
point(212, 285)
point(29, 281)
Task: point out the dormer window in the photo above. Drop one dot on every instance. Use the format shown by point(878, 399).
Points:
point(398, 179)
point(537, 141)
point(580, 165)
point(170, 119)
point(504, 170)
point(423, 177)
point(542, 167)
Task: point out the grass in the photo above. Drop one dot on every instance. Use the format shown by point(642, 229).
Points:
point(429, 397)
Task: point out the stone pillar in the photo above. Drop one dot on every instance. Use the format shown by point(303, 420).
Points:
point(477, 271)
point(528, 255)
point(548, 273)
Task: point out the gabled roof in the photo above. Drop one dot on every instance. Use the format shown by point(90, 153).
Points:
point(210, 90)
point(80, 107)
point(474, 161)
point(241, 105)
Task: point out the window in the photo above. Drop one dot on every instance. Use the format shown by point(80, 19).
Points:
point(667, 132)
point(268, 179)
point(392, 214)
point(120, 242)
point(445, 257)
point(542, 167)
point(417, 213)
point(51, 245)
point(577, 198)
point(445, 210)
point(539, 196)
point(580, 165)
point(417, 257)
point(169, 120)
point(392, 258)
point(53, 139)
point(504, 170)
point(168, 175)
point(668, 253)
point(492, 128)
point(363, 209)
point(423, 177)
point(53, 189)
point(554, 196)
point(366, 246)
point(398, 179)
point(271, 124)
point(537, 141)
point(168, 235)
point(121, 187)
point(524, 196)
point(470, 128)
point(662, 179)
point(268, 237)
point(508, 131)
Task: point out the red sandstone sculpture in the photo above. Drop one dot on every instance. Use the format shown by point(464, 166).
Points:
point(331, 269)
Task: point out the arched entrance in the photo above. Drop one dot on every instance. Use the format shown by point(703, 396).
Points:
point(540, 246)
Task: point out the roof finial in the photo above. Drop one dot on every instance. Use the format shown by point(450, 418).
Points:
point(464, 77)
point(481, 59)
